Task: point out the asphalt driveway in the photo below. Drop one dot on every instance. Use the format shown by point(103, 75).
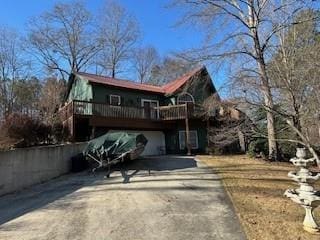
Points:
point(165, 197)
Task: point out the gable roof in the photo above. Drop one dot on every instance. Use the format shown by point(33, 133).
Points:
point(120, 83)
point(166, 89)
point(174, 85)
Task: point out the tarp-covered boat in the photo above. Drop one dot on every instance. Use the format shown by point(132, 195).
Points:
point(115, 147)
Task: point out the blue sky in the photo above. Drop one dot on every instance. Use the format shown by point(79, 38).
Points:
point(156, 22)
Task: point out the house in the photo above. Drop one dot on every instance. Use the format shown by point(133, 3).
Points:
point(169, 116)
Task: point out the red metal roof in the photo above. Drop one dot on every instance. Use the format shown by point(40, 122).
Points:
point(174, 85)
point(168, 88)
point(121, 83)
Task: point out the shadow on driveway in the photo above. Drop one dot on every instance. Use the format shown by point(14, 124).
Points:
point(17, 204)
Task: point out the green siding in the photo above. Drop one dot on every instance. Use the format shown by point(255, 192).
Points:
point(172, 137)
point(80, 90)
point(200, 87)
point(128, 97)
point(202, 138)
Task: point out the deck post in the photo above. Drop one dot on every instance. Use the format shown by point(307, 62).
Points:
point(93, 132)
point(187, 131)
point(208, 135)
point(73, 134)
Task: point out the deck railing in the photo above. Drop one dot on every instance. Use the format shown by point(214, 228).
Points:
point(172, 112)
point(86, 108)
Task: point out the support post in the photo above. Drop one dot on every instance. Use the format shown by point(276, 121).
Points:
point(93, 132)
point(73, 134)
point(187, 131)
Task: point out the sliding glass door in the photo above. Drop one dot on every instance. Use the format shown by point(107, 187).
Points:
point(149, 108)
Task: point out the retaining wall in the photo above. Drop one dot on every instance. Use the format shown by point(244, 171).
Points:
point(24, 167)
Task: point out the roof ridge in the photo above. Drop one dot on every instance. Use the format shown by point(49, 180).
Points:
point(168, 88)
point(119, 79)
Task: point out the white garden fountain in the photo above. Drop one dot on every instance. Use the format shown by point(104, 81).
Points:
point(305, 195)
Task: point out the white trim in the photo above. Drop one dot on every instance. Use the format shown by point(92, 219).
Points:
point(197, 139)
point(185, 93)
point(119, 99)
point(150, 100)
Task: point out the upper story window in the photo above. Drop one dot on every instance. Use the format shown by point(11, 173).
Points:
point(115, 100)
point(185, 98)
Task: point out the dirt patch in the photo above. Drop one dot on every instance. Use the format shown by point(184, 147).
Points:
point(256, 188)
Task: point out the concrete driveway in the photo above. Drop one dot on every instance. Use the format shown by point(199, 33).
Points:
point(180, 199)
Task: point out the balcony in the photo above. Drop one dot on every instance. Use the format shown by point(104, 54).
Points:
point(91, 109)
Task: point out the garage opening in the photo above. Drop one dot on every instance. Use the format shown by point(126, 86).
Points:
point(156, 142)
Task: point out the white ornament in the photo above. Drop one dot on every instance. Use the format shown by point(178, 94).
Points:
point(305, 195)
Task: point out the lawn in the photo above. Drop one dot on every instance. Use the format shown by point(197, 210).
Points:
point(256, 189)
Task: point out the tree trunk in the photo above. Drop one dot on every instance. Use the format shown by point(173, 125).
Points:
point(273, 148)
point(113, 70)
point(296, 119)
point(268, 102)
point(265, 87)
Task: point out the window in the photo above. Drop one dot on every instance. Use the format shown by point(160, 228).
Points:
point(193, 139)
point(115, 100)
point(185, 98)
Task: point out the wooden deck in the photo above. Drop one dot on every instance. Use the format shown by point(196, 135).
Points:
point(90, 109)
point(102, 114)
point(125, 117)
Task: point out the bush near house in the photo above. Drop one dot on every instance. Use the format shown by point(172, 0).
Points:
point(230, 128)
point(19, 130)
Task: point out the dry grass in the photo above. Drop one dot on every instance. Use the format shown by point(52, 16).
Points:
point(256, 188)
point(7, 143)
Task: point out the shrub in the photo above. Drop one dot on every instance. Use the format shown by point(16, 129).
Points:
point(258, 147)
point(287, 150)
point(59, 132)
point(230, 148)
point(26, 130)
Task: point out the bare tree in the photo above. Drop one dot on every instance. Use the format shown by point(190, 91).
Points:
point(119, 32)
point(249, 31)
point(292, 70)
point(27, 96)
point(228, 127)
point(63, 39)
point(12, 67)
point(51, 98)
point(296, 79)
point(169, 69)
point(144, 59)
